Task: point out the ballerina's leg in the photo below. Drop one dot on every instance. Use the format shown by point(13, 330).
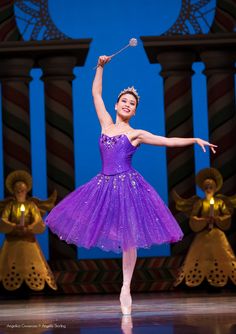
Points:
point(129, 258)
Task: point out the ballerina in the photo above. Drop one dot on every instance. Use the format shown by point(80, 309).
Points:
point(118, 210)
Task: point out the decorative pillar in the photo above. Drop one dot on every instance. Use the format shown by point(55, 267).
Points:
point(224, 19)
point(14, 76)
point(57, 77)
point(8, 27)
point(177, 71)
point(222, 114)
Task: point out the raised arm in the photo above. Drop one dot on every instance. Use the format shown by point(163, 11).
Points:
point(149, 138)
point(103, 116)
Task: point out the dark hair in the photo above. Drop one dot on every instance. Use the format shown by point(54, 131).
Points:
point(128, 92)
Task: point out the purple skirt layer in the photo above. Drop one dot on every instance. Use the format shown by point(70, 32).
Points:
point(114, 213)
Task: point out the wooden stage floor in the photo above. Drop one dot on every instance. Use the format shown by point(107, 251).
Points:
point(159, 313)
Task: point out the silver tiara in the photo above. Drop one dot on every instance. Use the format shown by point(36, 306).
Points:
point(130, 89)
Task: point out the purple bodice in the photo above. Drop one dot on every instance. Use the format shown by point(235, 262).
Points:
point(116, 153)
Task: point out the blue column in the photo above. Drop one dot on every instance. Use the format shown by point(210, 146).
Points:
point(38, 144)
point(200, 117)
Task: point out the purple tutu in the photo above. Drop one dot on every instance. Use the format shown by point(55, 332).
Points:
point(115, 210)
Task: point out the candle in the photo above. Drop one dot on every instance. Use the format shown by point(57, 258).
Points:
point(211, 214)
point(22, 216)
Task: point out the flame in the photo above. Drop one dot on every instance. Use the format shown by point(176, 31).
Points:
point(22, 208)
point(212, 201)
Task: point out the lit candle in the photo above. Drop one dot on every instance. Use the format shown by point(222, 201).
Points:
point(22, 216)
point(211, 214)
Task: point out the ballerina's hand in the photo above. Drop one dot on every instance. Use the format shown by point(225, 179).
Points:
point(102, 60)
point(204, 143)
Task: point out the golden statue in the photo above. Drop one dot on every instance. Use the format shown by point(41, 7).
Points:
point(21, 258)
point(210, 255)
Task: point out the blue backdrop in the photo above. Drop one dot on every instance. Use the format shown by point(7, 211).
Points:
point(111, 24)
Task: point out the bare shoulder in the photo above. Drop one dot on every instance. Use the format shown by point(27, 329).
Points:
point(140, 136)
point(139, 133)
point(135, 136)
point(106, 128)
point(134, 133)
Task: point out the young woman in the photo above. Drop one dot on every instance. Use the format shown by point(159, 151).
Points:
point(118, 210)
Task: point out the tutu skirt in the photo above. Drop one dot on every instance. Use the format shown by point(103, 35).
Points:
point(114, 213)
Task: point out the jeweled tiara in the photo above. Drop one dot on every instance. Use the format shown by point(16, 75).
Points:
point(130, 89)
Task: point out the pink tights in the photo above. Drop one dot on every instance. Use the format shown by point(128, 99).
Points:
point(128, 263)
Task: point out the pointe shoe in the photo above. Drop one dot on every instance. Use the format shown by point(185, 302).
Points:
point(125, 300)
point(126, 310)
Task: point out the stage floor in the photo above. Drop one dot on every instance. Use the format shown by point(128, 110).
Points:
point(159, 313)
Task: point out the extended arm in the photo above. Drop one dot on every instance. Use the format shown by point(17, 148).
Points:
point(103, 116)
point(149, 138)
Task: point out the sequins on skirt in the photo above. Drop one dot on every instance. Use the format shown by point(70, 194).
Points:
point(117, 209)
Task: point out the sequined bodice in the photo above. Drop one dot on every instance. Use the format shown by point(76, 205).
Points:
point(116, 153)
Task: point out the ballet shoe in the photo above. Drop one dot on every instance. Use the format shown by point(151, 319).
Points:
point(126, 310)
point(125, 300)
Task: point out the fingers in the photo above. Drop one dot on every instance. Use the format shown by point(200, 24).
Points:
point(102, 60)
point(213, 150)
point(204, 143)
point(212, 147)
